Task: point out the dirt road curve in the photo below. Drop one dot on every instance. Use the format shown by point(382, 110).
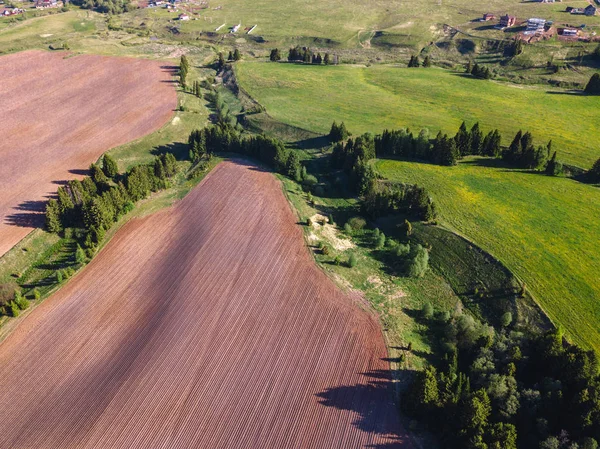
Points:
point(204, 326)
point(60, 114)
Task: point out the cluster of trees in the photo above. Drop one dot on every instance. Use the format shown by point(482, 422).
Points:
point(478, 71)
point(353, 158)
point(415, 62)
point(306, 55)
point(522, 153)
point(225, 138)
point(503, 389)
point(184, 68)
point(385, 198)
point(99, 200)
point(593, 86)
point(105, 6)
point(12, 301)
point(443, 150)
point(338, 132)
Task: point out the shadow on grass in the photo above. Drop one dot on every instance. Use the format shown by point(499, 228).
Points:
point(178, 149)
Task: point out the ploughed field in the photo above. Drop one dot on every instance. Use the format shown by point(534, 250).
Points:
point(205, 325)
point(59, 113)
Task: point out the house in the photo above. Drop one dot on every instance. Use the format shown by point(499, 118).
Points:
point(536, 25)
point(567, 31)
point(590, 10)
point(184, 17)
point(507, 21)
point(488, 16)
point(43, 4)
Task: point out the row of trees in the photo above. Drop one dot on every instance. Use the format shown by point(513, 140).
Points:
point(99, 200)
point(503, 389)
point(225, 138)
point(443, 150)
point(306, 55)
point(105, 6)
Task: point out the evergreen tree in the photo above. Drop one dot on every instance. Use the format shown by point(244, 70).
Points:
point(476, 139)
point(469, 67)
point(275, 56)
point(326, 59)
point(463, 140)
point(184, 67)
point(221, 61)
point(593, 86)
point(594, 172)
point(53, 222)
point(554, 167)
point(427, 61)
point(109, 166)
point(230, 56)
point(237, 55)
point(319, 58)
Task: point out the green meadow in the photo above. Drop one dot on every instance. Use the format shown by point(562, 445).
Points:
point(370, 99)
point(544, 229)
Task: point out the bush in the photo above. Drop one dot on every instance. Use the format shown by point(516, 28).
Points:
point(337, 260)
point(380, 241)
point(348, 228)
point(309, 222)
point(331, 222)
point(309, 182)
point(402, 249)
point(13, 309)
point(36, 294)
point(326, 250)
point(357, 223)
point(59, 277)
point(506, 319)
point(352, 260)
point(418, 262)
point(20, 301)
point(427, 311)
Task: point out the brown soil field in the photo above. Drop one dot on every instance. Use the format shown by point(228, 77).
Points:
point(207, 325)
point(59, 113)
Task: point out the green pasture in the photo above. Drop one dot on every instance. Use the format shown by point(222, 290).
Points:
point(370, 99)
point(544, 229)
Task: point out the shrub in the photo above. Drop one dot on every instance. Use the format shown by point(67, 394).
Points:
point(309, 182)
point(79, 255)
point(337, 260)
point(506, 319)
point(402, 249)
point(380, 241)
point(352, 260)
point(427, 310)
point(331, 222)
point(36, 294)
point(326, 250)
point(418, 262)
point(347, 228)
point(59, 276)
point(357, 223)
point(309, 222)
point(13, 309)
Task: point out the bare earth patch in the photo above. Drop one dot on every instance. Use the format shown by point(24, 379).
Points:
point(59, 115)
point(207, 325)
point(321, 224)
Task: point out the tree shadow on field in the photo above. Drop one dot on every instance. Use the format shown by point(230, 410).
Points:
point(178, 149)
point(30, 215)
point(372, 401)
point(79, 171)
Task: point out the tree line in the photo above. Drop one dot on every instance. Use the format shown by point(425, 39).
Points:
point(305, 55)
point(506, 389)
point(445, 150)
point(99, 200)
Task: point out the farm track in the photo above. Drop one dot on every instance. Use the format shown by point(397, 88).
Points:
point(206, 325)
point(59, 115)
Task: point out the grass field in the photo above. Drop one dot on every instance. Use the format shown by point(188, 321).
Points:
point(379, 97)
point(543, 229)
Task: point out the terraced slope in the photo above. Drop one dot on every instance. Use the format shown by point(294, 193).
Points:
point(59, 113)
point(207, 326)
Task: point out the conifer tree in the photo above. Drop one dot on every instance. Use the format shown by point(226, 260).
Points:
point(593, 86)
point(237, 55)
point(109, 166)
point(53, 222)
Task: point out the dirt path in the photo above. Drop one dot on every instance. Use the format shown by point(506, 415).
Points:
point(60, 114)
point(204, 326)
